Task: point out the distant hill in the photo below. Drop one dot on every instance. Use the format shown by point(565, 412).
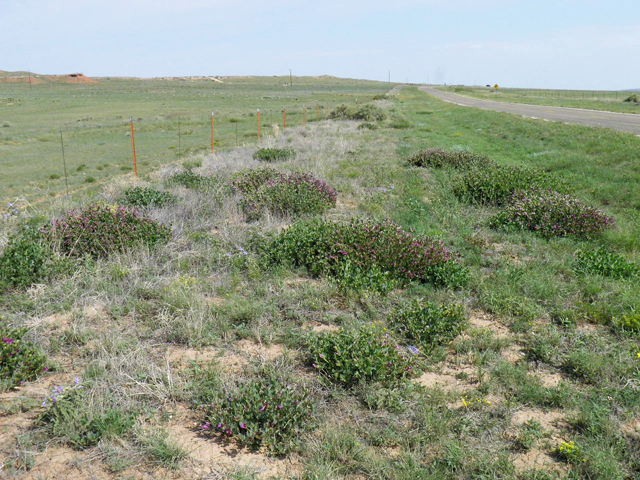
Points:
point(36, 78)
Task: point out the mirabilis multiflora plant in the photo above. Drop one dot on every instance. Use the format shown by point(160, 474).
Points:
point(99, 230)
point(293, 193)
point(265, 413)
point(552, 214)
point(323, 246)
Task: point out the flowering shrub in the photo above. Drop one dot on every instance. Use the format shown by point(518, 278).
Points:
point(191, 180)
point(368, 354)
point(603, 262)
point(25, 260)
point(263, 413)
point(628, 323)
point(67, 417)
point(147, 197)
point(367, 112)
point(495, 184)
point(570, 452)
point(249, 181)
point(99, 230)
point(282, 193)
point(274, 154)
point(323, 246)
point(20, 360)
point(438, 158)
point(429, 324)
point(551, 214)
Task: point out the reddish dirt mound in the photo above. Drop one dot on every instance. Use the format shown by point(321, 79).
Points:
point(72, 78)
point(20, 79)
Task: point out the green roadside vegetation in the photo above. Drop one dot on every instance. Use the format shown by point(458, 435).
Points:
point(379, 317)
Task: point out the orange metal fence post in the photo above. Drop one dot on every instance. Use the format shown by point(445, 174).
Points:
point(133, 148)
point(284, 112)
point(213, 136)
point(258, 124)
point(317, 117)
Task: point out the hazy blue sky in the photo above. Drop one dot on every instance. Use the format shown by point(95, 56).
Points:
point(549, 43)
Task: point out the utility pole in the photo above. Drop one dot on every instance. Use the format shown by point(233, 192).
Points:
point(290, 79)
point(29, 79)
point(389, 76)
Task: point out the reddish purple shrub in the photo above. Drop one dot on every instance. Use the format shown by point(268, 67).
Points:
point(324, 247)
point(551, 214)
point(99, 230)
point(294, 193)
point(438, 158)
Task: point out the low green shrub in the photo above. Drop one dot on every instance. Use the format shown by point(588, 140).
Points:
point(323, 247)
point(191, 180)
point(438, 158)
point(282, 193)
point(400, 123)
point(68, 418)
point(602, 261)
point(628, 323)
point(355, 356)
point(26, 259)
point(263, 413)
point(496, 184)
point(99, 230)
point(368, 126)
point(147, 197)
point(633, 98)
point(20, 359)
point(248, 182)
point(429, 324)
point(367, 112)
point(551, 214)
point(351, 277)
point(274, 154)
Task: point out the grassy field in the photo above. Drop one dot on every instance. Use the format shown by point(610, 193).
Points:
point(611, 101)
point(527, 368)
point(94, 120)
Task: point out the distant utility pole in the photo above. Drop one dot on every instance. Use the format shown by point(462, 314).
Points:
point(290, 78)
point(30, 80)
point(389, 76)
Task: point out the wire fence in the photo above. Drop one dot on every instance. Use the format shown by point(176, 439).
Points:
point(86, 153)
point(602, 95)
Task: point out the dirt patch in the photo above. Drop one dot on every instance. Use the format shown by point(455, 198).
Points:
point(631, 428)
point(344, 204)
point(96, 311)
point(534, 459)
point(445, 381)
point(258, 350)
point(183, 356)
point(58, 320)
point(485, 321)
point(549, 379)
point(321, 327)
point(551, 421)
point(512, 354)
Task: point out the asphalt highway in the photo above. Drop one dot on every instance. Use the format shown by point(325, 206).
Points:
point(625, 122)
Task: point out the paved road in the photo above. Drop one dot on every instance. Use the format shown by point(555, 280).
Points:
point(626, 122)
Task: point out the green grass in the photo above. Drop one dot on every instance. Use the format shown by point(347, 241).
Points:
point(612, 101)
point(540, 349)
point(94, 120)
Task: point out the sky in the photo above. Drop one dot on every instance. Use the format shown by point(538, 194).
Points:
point(569, 44)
